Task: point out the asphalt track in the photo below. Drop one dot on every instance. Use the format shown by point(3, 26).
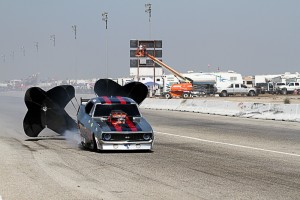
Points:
point(195, 157)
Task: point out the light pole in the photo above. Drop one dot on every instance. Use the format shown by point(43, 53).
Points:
point(52, 37)
point(3, 56)
point(148, 10)
point(36, 44)
point(12, 55)
point(74, 27)
point(105, 19)
point(23, 50)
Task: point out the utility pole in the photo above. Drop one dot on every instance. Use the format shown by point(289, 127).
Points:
point(12, 55)
point(3, 56)
point(23, 50)
point(105, 19)
point(74, 27)
point(148, 10)
point(37, 46)
point(52, 37)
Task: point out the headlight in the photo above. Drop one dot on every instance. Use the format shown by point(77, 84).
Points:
point(106, 136)
point(147, 136)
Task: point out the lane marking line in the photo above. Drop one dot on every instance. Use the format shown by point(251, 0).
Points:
point(229, 144)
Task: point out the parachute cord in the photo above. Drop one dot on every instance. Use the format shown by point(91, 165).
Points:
point(77, 101)
point(71, 99)
point(74, 105)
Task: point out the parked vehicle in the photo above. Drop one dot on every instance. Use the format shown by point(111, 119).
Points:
point(277, 89)
point(263, 88)
point(289, 88)
point(235, 89)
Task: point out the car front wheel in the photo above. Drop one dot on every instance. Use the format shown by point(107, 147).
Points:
point(94, 144)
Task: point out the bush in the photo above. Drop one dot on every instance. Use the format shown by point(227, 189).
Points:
point(287, 101)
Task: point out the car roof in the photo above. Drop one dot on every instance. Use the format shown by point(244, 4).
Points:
point(113, 100)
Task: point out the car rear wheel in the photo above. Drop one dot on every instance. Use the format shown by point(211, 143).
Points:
point(251, 93)
point(168, 96)
point(83, 143)
point(223, 94)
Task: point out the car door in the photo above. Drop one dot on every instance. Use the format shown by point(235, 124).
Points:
point(237, 88)
point(230, 89)
point(244, 89)
point(86, 120)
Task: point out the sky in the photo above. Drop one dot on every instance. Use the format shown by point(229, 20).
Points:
point(250, 37)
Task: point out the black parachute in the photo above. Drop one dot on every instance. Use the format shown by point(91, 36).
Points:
point(134, 90)
point(46, 109)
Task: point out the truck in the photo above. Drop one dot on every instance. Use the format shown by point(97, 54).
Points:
point(234, 89)
point(292, 87)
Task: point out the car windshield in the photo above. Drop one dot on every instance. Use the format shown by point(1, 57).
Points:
point(103, 110)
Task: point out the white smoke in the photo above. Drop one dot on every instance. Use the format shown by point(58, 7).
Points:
point(73, 138)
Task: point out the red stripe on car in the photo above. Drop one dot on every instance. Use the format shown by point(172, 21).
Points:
point(130, 124)
point(122, 101)
point(106, 99)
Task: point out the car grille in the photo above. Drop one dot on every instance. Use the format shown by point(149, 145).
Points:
point(127, 137)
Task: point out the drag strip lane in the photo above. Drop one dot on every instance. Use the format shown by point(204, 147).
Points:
point(184, 165)
point(228, 144)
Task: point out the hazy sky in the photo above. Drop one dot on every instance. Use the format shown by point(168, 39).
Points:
point(247, 36)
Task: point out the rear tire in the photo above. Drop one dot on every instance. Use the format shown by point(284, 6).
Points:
point(168, 96)
point(83, 143)
point(223, 94)
point(251, 93)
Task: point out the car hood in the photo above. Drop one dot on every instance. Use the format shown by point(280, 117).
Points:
point(127, 126)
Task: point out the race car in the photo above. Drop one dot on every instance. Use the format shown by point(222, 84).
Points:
point(110, 121)
point(113, 123)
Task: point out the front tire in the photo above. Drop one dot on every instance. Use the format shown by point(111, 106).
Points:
point(185, 95)
point(94, 144)
point(284, 91)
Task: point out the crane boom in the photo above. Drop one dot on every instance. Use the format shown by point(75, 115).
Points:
point(142, 52)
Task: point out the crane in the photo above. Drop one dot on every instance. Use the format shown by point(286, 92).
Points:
point(184, 89)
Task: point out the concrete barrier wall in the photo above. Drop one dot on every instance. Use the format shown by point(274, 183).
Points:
point(285, 112)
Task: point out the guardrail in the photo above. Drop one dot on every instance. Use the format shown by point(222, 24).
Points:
point(282, 112)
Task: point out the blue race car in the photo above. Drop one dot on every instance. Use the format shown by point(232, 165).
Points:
point(113, 123)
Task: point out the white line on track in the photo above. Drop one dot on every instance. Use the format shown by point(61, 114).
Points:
point(229, 144)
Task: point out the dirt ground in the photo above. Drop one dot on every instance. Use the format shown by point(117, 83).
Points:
point(263, 98)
